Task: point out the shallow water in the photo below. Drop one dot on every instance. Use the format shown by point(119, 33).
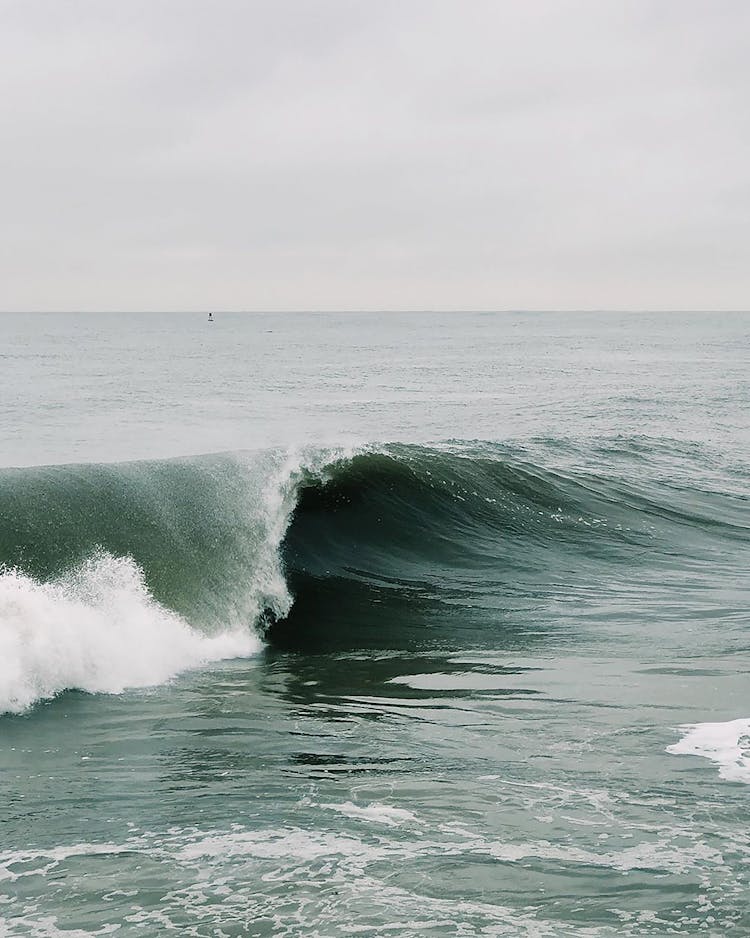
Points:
point(422, 652)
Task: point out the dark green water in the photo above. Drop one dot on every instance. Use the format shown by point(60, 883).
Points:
point(451, 638)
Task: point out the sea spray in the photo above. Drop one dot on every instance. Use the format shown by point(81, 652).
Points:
point(96, 629)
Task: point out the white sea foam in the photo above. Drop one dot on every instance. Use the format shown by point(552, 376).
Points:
point(20, 863)
point(643, 856)
point(375, 813)
point(231, 876)
point(290, 845)
point(97, 629)
point(726, 744)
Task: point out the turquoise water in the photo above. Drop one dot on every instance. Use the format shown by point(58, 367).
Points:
point(374, 624)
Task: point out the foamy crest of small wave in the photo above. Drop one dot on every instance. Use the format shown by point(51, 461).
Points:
point(97, 629)
point(726, 744)
point(375, 813)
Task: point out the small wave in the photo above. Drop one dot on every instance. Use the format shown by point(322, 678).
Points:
point(96, 629)
point(374, 813)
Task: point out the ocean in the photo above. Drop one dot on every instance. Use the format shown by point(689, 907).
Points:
point(374, 624)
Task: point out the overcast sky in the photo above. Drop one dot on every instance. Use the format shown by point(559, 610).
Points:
point(350, 154)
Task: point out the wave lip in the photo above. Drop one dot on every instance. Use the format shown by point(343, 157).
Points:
point(96, 629)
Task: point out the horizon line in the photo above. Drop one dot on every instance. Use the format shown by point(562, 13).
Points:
point(382, 310)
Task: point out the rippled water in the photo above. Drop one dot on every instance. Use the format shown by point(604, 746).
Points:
point(452, 638)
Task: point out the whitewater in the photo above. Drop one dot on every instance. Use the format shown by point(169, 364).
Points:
point(96, 630)
point(406, 624)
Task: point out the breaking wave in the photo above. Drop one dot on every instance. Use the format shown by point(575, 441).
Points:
point(96, 629)
point(118, 576)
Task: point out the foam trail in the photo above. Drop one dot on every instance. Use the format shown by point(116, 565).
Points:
point(97, 629)
point(726, 744)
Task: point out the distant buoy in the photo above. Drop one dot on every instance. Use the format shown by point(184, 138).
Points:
point(210, 317)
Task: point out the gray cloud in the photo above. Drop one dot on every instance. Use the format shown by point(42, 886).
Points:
point(347, 154)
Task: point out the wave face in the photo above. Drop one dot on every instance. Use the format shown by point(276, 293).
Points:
point(118, 576)
point(459, 545)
